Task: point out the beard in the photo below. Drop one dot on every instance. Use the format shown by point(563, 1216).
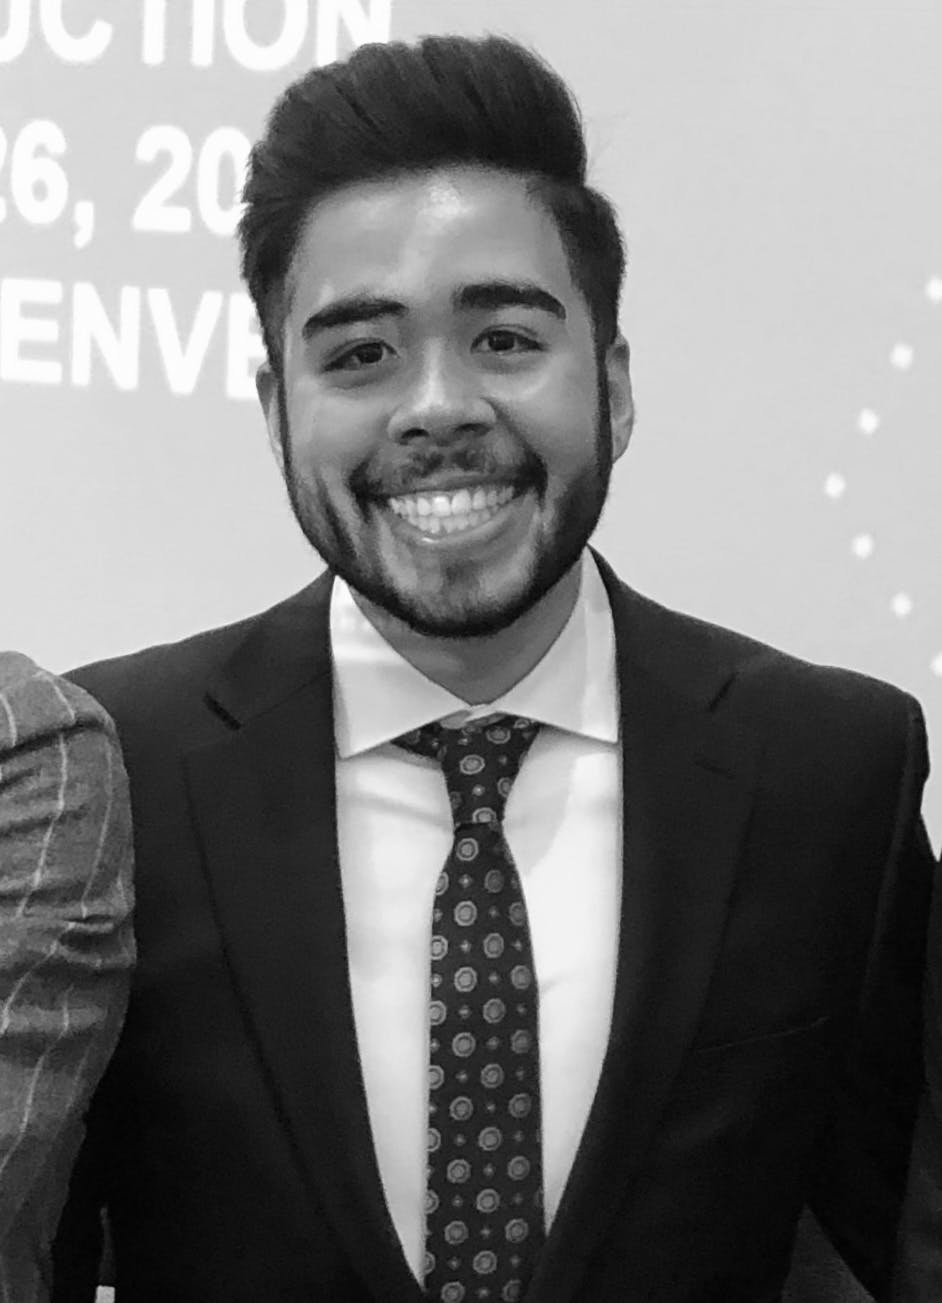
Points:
point(462, 605)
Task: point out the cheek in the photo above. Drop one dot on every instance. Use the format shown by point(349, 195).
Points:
point(329, 436)
point(561, 429)
point(559, 417)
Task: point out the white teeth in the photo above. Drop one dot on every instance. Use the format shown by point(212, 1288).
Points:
point(435, 513)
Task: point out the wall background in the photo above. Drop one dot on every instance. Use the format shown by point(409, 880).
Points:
point(776, 165)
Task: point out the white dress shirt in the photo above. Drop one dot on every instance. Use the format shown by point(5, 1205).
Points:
point(563, 826)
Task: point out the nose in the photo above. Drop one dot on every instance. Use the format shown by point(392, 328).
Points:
point(442, 396)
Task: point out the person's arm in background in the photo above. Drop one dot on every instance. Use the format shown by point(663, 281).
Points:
point(918, 1276)
point(66, 947)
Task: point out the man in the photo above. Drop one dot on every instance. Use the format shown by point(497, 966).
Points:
point(66, 948)
point(501, 932)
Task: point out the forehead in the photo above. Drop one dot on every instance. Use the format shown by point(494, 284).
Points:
point(420, 236)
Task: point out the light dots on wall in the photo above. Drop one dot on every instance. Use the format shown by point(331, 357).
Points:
point(934, 295)
point(902, 355)
point(868, 422)
point(837, 485)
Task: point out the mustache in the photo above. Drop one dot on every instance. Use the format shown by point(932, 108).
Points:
point(390, 481)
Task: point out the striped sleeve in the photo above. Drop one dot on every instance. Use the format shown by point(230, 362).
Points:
point(66, 946)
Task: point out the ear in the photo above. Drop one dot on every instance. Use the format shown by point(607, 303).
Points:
point(266, 386)
point(621, 403)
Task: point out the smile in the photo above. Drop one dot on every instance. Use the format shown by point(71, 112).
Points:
point(433, 514)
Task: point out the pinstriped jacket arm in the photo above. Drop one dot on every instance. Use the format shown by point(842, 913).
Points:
point(66, 946)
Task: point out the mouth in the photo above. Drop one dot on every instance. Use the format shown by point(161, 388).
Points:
point(443, 514)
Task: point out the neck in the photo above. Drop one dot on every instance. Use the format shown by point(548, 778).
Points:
point(479, 670)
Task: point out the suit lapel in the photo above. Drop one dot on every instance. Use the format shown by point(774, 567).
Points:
point(687, 776)
point(265, 803)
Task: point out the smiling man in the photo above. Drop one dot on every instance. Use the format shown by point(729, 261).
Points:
point(502, 934)
point(446, 417)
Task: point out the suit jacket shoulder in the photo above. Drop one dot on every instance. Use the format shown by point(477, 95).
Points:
point(685, 646)
point(163, 690)
point(819, 709)
point(161, 694)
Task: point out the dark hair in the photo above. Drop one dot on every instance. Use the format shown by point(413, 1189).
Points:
point(396, 108)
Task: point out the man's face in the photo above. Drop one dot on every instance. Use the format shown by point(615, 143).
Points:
point(445, 426)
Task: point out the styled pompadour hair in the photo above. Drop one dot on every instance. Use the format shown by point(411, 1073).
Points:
point(397, 109)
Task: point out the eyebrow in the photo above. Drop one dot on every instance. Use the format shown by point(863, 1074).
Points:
point(490, 295)
point(346, 311)
point(483, 296)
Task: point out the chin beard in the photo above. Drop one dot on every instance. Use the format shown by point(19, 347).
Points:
point(460, 610)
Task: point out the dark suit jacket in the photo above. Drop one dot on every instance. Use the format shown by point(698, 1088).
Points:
point(66, 947)
point(764, 1050)
point(919, 1272)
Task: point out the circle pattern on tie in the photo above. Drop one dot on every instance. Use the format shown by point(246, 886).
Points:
point(484, 1205)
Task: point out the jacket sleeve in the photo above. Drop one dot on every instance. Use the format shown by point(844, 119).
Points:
point(862, 1174)
point(919, 1271)
point(66, 942)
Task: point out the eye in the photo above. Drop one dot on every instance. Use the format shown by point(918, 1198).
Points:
point(502, 340)
point(368, 354)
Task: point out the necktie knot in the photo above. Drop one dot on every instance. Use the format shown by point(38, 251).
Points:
point(480, 761)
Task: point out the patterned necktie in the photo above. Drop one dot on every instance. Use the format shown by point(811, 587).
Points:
point(484, 1202)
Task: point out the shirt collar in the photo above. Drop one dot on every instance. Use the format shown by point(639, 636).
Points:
point(379, 695)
